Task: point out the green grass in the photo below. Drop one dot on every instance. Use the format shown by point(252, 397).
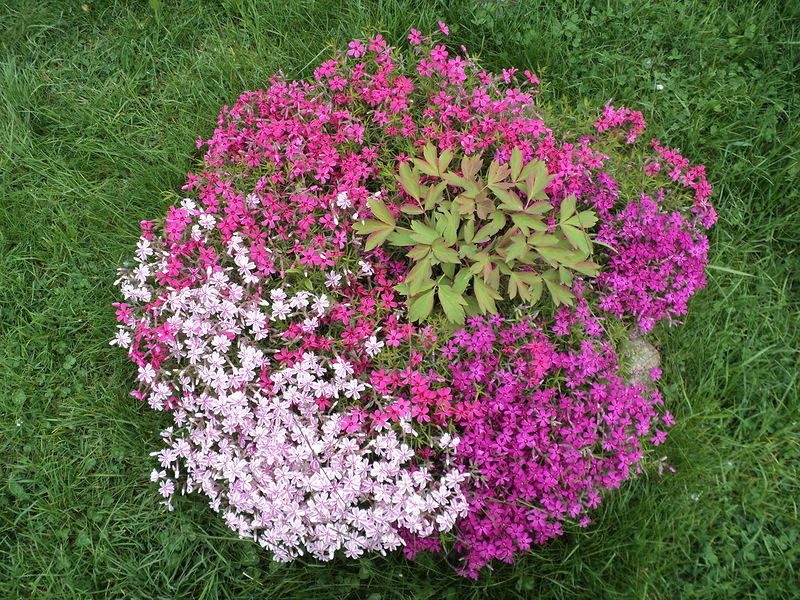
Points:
point(100, 110)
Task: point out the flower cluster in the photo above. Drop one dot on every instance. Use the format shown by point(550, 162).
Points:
point(658, 263)
point(543, 430)
point(314, 414)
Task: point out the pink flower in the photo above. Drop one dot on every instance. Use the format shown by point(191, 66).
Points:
point(356, 49)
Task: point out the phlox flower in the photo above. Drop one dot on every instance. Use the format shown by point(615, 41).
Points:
point(315, 417)
point(356, 49)
point(373, 346)
point(415, 37)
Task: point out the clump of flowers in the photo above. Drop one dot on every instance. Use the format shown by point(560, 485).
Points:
point(322, 400)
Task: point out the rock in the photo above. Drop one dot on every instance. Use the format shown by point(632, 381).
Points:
point(641, 357)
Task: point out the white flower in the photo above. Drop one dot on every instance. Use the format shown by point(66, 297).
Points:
point(342, 201)
point(659, 87)
point(300, 300)
point(373, 346)
point(280, 310)
point(353, 389)
point(341, 368)
point(207, 221)
point(366, 268)
point(332, 280)
point(123, 339)
point(310, 324)
point(147, 374)
point(320, 304)
point(143, 249)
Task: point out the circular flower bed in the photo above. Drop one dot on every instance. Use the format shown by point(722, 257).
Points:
point(388, 311)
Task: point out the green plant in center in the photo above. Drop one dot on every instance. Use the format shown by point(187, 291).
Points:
point(477, 236)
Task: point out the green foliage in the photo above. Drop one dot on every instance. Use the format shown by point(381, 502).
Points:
point(480, 234)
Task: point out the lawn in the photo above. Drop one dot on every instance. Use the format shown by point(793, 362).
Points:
point(102, 103)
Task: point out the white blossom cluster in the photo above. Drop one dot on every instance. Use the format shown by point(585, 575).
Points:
point(252, 437)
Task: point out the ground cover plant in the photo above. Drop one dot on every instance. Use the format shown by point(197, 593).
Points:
point(330, 393)
point(100, 97)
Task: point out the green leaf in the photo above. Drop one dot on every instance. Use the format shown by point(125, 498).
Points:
point(543, 239)
point(455, 180)
point(535, 290)
point(368, 226)
point(412, 209)
point(420, 307)
point(426, 167)
point(424, 233)
point(444, 253)
point(484, 205)
point(461, 281)
point(497, 173)
point(378, 232)
point(402, 288)
point(376, 239)
point(577, 238)
point(539, 208)
point(464, 205)
point(493, 280)
point(434, 195)
point(560, 294)
point(485, 297)
point(381, 212)
point(419, 252)
point(453, 220)
point(431, 154)
point(516, 163)
point(586, 267)
point(471, 166)
point(401, 237)
point(554, 255)
point(471, 187)
point(524, 221)
point(482, 265)
point(518, 247)
point(585, 219)
point(515, 286)
point(467, 250)
point(510, 200)
point(486, 232)
point(468, 230)
point(537, 180)
point(444, 160)
point(409, 180)
point(452, 302)
point(419, 276)
point(472, 309)
point(564, 276)
point(567, 207)
point(527, 277)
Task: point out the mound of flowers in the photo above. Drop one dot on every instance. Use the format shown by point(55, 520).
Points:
point(386, 313)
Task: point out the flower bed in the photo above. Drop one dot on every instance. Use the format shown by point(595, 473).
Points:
point(388, 311)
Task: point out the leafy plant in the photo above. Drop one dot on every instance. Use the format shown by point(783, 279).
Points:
point(478, 236)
